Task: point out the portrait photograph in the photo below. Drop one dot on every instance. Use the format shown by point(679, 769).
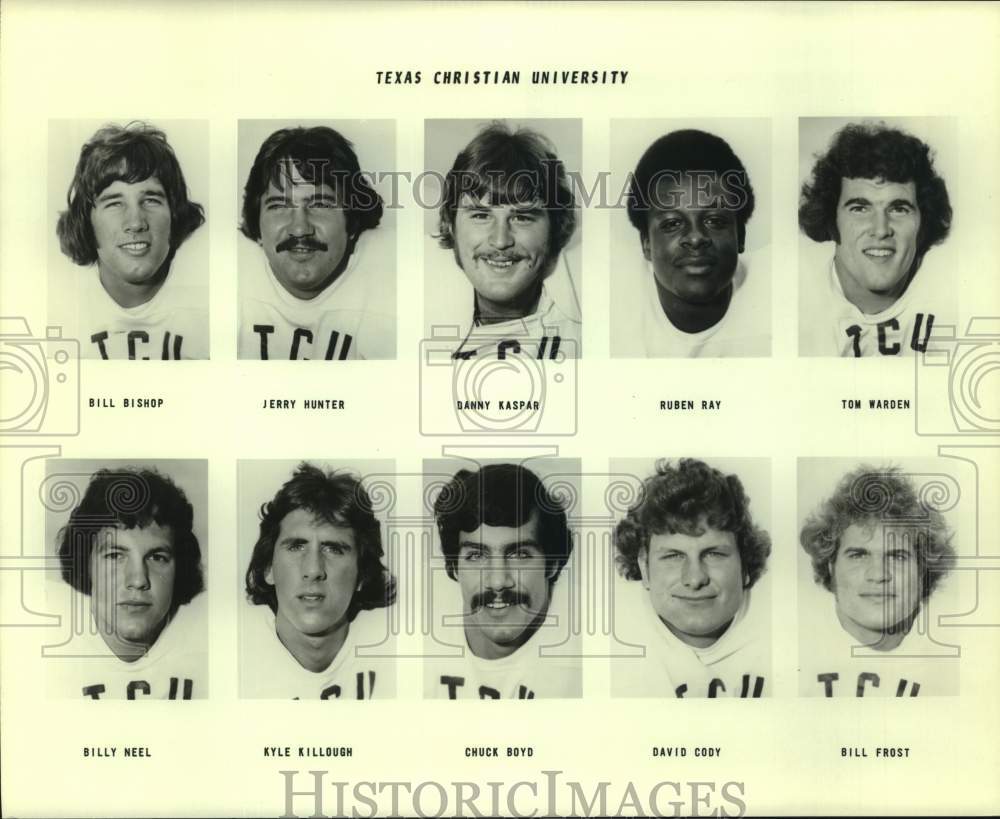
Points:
point(503, 236)
point(128, 272)
point(316, 244)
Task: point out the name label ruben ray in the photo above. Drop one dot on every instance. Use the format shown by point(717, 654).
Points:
point(305, 403)
point(685, 404)
point(127, 403)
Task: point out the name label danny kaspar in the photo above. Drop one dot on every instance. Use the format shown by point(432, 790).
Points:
point(503, 406)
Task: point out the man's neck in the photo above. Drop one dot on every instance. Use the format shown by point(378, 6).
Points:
point(694, 318)
point(877, 640)
point(314, 652)
point(483, 647)
point(126, 294)
point(491, 312)
point(869, 301)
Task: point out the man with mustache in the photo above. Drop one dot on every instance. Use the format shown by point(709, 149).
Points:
point(128, 211)
point(882, 550)
point(327, 290)
point(507, 214)
point(129, 546)
point(690, 199)
point(315, 581)
point(692, 543)
point(876, 194)
point(505, 541)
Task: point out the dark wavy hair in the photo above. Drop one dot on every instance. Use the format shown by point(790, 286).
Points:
point(337, 498)
point(867, 151)
point(132, 498)
point(132, 153)
point(868, 496)
point(683, 152)
point(509, 167)
point(502, 495)
point(685, 499)
point(321, 156)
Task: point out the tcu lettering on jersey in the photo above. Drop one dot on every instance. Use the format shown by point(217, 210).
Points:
point(485, 692)
point(751, 687)
point(548, 347)
point(337, 345)
point(890, 339)
point(180, 689)
point(868, 680)
point(141, 346)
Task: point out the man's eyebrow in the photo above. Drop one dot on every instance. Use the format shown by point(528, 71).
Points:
point(334, 542)
point(106, 197)
point(906, 202)
point(857, 200)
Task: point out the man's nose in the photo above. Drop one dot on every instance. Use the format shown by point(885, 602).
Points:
point(694, 576)
point(135, 219)
point(497, 574)
point(881, 226)
point(501, 236)
point(695, 236)
point(136, 574)
point(301, 224)
point(878, 570)
point(313, 566)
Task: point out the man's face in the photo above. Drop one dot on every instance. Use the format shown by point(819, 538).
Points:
point(505, 589)
point(503, 249)
point(878, 223)
point(314, 572)
point(132, 586)
point(303, 230)
point(695, 583)
point(131, 222)
point(692, 239)
point(876, 581)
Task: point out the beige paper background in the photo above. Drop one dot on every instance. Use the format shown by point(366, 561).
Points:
point(225, 62)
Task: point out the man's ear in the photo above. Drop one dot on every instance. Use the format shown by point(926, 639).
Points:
point(269, 576)
point(643, 560)
point(644, 240)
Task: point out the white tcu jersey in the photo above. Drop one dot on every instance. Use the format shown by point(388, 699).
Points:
point(738, 664)
point(175, 668)
point(830, 325)
point(643, 330)
point(553, 331)
point(524, 675)
point(354, 318)
point(171, 325)
point(832, 664)
point(269, 671)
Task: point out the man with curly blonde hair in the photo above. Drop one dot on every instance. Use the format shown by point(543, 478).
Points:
point(882, 549)
point(691, 541)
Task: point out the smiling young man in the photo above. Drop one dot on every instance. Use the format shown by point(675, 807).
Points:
point(882, 550)
point(507, 214)
point(690, 199)
point(326, 288)
point(129, 212)
point(692, 543)
point(505, 541)
point(876, 194)
point(315, 578)
point(129, 546)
